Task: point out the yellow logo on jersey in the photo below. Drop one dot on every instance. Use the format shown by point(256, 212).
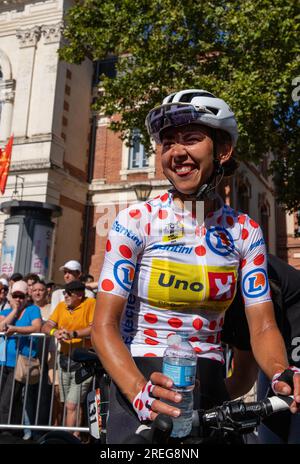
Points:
point(177, 285)
point(173, 231)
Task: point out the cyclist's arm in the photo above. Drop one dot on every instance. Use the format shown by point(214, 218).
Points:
point(116, 358)
point(268, 347)
point(244, 374)
point(266, 340)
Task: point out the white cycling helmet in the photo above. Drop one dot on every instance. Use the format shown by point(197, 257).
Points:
point(191, 106)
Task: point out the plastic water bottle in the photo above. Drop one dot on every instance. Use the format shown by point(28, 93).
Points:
point(180, 364)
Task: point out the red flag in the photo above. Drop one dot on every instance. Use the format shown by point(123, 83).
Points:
point(5, 156)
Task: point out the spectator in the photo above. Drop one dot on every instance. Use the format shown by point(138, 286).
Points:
point(70, 323)
point(4, 303)
point(19, 319)
point(72, 271)
point(50, 289)
point(30, 279)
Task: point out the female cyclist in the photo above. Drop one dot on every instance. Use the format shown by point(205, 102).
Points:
point(173, 263)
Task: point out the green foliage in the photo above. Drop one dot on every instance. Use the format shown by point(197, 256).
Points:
point(245, 51)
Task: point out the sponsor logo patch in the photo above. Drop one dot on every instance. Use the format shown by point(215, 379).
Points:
point(124, 271)
point(173, 231)
point(220, 241)
point(255, 283)
point(182, 285)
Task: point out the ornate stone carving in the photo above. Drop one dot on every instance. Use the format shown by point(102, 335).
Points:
point(52, 32)
point(28, 37)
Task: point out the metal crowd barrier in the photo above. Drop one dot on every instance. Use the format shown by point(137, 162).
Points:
point(39, 400)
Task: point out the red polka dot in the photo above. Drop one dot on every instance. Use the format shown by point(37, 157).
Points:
point(197, 349)
point(197, 231)
point(254, 224)
point(149, 207)
point(210, 339)
point(138, 404)
point(150, 318)
point(150, 333)
point(200, 250)
point(245, 234)
point(243, 263)
point(148, 229)
point(108, 245)
point(107, 285)
point(203, 231)
point(164, 197)
point(172, 333)
point(259, 260)
point(221, 322)
point(135, 213)
point(149, 341)
point(242, 219)
point(198, 324)
point(230, 220)
point(194, 339)
point(212, 325)
point(162, 214)
point(175, 322)
point(150, 355)
point(125, 251)
point(219, 219)
point(178, 217)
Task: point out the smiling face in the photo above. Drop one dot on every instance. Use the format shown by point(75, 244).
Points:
point(187, 156)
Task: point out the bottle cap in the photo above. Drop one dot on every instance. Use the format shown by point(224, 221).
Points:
point(174, 339)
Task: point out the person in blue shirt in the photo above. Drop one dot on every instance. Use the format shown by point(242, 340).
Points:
point(19, 319)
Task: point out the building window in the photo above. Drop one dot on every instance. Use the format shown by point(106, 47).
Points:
point(243, 195)
point(297, 224)
point(264, 223)
point(137, 156)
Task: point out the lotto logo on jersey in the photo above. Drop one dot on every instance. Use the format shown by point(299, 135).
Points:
point(124, 271)
point(219, 241)
point(222, 285)
point(255, 283)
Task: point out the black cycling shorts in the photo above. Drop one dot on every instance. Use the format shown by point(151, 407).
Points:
point(122, 420)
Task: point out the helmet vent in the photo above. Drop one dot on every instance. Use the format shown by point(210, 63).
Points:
point(213, 110)
point(187, 97)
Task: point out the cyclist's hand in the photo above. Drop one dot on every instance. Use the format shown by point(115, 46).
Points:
point(288, 383)
point(149, 401)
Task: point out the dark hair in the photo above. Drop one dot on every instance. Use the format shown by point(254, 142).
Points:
point(32, 276)
point(85, 277)
point(42, 282)
point(230, 166)
point(16, 277)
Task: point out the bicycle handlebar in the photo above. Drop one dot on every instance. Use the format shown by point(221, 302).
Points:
point(232, 416)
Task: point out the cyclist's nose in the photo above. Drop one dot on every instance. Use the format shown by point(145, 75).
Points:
point(178, 151)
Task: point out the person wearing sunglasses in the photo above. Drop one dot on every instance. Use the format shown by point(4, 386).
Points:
point(172, 264)
point(70, 323)
point(20, 319)
point(4, 303)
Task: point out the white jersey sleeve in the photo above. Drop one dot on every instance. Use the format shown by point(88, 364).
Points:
point(124, 244)
point(253, 267)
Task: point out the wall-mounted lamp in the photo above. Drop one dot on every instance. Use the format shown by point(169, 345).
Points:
point(142, 191)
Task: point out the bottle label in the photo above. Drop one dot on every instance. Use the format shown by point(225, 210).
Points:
point(182, 376)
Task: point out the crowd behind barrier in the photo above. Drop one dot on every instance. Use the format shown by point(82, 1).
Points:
point(30, 403)
point(38, 391)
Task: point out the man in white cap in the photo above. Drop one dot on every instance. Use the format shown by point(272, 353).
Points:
point(72, 271)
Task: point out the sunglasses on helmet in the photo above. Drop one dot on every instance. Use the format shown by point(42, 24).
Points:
point(172, 114)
